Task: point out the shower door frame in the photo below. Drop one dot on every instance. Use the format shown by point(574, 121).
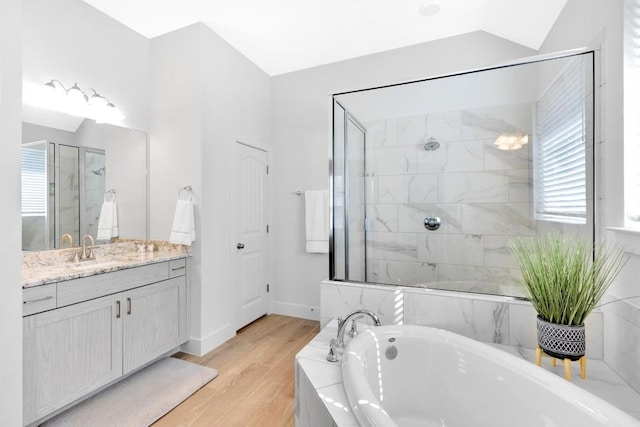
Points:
point(347, 117)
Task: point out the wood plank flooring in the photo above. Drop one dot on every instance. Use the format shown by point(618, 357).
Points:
point(255, 385)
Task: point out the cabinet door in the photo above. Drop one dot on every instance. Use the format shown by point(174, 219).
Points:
point(155, 319)
point(68, 353)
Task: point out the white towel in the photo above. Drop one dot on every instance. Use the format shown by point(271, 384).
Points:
point(183, 230)
point(108, 222)
point(316, 205)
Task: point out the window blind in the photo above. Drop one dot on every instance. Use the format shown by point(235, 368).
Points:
point(631, 114)
point(34, 182)
point(560, 192)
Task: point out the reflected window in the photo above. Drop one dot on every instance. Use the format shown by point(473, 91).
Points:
point(34, 179)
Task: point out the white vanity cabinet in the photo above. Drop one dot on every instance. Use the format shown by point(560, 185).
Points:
point(154, 322)
point(68, 353)
point(73, 350)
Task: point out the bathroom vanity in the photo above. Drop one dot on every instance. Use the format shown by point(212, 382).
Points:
point(89, 324)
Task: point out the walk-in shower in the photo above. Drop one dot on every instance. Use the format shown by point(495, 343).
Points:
point(431, 179)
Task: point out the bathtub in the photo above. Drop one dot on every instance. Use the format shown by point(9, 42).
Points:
point(421, 376)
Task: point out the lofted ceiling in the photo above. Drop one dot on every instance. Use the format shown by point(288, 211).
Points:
point(281, 36)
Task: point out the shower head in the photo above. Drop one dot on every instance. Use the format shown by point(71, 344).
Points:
point(431, 144)
point(99, 172)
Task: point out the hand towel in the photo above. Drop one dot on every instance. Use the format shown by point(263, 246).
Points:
point(317, 220)
point(108, 222)
point(183, 230)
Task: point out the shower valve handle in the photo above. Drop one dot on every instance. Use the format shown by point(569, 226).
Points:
point(432, 223)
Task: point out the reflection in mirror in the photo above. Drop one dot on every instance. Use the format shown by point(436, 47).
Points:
point(68, 192)
point(37, 195)
point(68, 163)
point(495, 154)
point(93, 190)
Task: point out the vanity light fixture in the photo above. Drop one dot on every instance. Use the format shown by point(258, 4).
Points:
point(511, 141)
point(87, 103)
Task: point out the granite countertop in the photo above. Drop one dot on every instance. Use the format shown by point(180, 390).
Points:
point(41, 268)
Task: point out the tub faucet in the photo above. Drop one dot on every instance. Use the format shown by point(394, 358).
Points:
point(338, 341)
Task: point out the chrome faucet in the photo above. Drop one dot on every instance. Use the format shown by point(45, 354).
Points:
point(337, 343)
point(87, 252)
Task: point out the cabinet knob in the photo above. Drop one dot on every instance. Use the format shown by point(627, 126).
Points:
point(240, 246)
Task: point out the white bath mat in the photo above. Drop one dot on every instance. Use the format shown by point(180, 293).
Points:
point(140, 399)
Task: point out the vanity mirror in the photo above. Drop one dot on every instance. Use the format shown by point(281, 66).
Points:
point(68, 166)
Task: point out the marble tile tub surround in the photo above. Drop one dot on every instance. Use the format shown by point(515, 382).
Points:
point(622, 338)
point(39, 268)
point(491, 319)
point(484, 197)
point(321, 400)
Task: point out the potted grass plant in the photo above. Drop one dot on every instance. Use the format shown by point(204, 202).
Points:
point(564, 279)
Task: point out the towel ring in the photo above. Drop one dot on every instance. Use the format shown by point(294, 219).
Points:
point(111, 193)
point(186, 189)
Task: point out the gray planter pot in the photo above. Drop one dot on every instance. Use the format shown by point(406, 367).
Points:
point(561, 341)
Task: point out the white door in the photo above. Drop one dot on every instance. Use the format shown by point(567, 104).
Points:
point(249, 214)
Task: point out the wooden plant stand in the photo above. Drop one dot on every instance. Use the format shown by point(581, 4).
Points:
point(567, 364)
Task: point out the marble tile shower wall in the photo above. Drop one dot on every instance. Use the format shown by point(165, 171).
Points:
point(69, 212)
point(482, 195)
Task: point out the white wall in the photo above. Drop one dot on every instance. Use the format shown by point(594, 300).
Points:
point(205, 96)
point(10, 130)
point(237, 98)
point(176, 141)
point(300, 134)
point(32, 133)
point(70, 41)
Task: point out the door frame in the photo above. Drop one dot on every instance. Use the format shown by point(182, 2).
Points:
point(233, 259)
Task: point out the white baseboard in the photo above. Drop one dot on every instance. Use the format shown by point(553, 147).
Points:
point(201, 346)
point(295, 310)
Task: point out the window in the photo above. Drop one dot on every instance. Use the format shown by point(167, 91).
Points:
point(34, 180)
point(560, 191)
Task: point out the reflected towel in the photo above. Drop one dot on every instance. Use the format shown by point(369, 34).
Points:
point(316, 205)
point(108, 222)
point(183, 230)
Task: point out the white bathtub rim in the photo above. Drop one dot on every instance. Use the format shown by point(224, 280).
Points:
point(369, 414)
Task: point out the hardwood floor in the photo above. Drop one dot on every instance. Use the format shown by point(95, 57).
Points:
point(255, 384)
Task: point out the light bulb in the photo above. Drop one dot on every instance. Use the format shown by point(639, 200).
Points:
point(97, 101)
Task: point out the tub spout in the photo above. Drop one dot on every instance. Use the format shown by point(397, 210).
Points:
point(338, 342)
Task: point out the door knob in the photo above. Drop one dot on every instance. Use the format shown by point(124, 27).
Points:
point(240, 246)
